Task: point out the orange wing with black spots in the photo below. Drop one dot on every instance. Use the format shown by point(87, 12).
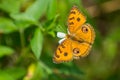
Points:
point(80, 49)
point(84, 38)
point(63, 52)
point(79, 40)
point(85, 33)
point(75, 19)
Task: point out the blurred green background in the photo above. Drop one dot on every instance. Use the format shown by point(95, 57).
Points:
point(28, 40)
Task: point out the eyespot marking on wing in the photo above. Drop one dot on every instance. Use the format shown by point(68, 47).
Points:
point(84, 29)
point(76, 51)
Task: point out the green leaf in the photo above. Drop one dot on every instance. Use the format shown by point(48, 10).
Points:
point(31, 15)
point(12, 73)
point(40, 71)
point(60, 28)
point(37, 9)
point(16, 72)
point(4, 50)
point(7, 25)
point(23, 18)
point(11, 6)
point(37, 71)
point(52, 33)
point(23, 21)
point(47, 69)
point(36, 43)
point(52, 7)
point(5, 76)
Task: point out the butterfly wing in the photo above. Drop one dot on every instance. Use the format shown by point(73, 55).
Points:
point(85, 33)
point(80, 49)
point(84, 38)
point(63, 52)
point(79, 41)
point(75, 19)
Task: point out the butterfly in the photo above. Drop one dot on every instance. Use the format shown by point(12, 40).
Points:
point(78, 42)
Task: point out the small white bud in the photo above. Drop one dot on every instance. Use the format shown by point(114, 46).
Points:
point(61, 35)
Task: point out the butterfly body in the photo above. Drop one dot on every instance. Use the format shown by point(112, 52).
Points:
point(78, 41)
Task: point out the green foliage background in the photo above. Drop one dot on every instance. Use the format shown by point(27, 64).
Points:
point(28, 41)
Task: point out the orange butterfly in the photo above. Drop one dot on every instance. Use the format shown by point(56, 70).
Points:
point(77, 43)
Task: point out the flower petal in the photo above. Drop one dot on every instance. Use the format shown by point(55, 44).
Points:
point(61, 34)
point(61, 40)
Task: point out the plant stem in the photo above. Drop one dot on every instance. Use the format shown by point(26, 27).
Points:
point(22, 39)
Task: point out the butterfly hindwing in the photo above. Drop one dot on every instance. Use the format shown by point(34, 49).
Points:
point(80, 49)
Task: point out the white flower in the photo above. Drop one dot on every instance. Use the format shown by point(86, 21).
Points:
point(61, 35)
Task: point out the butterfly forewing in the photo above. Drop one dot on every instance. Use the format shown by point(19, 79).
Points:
point(63, 52)
point(75, 19)
point(86, 33)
